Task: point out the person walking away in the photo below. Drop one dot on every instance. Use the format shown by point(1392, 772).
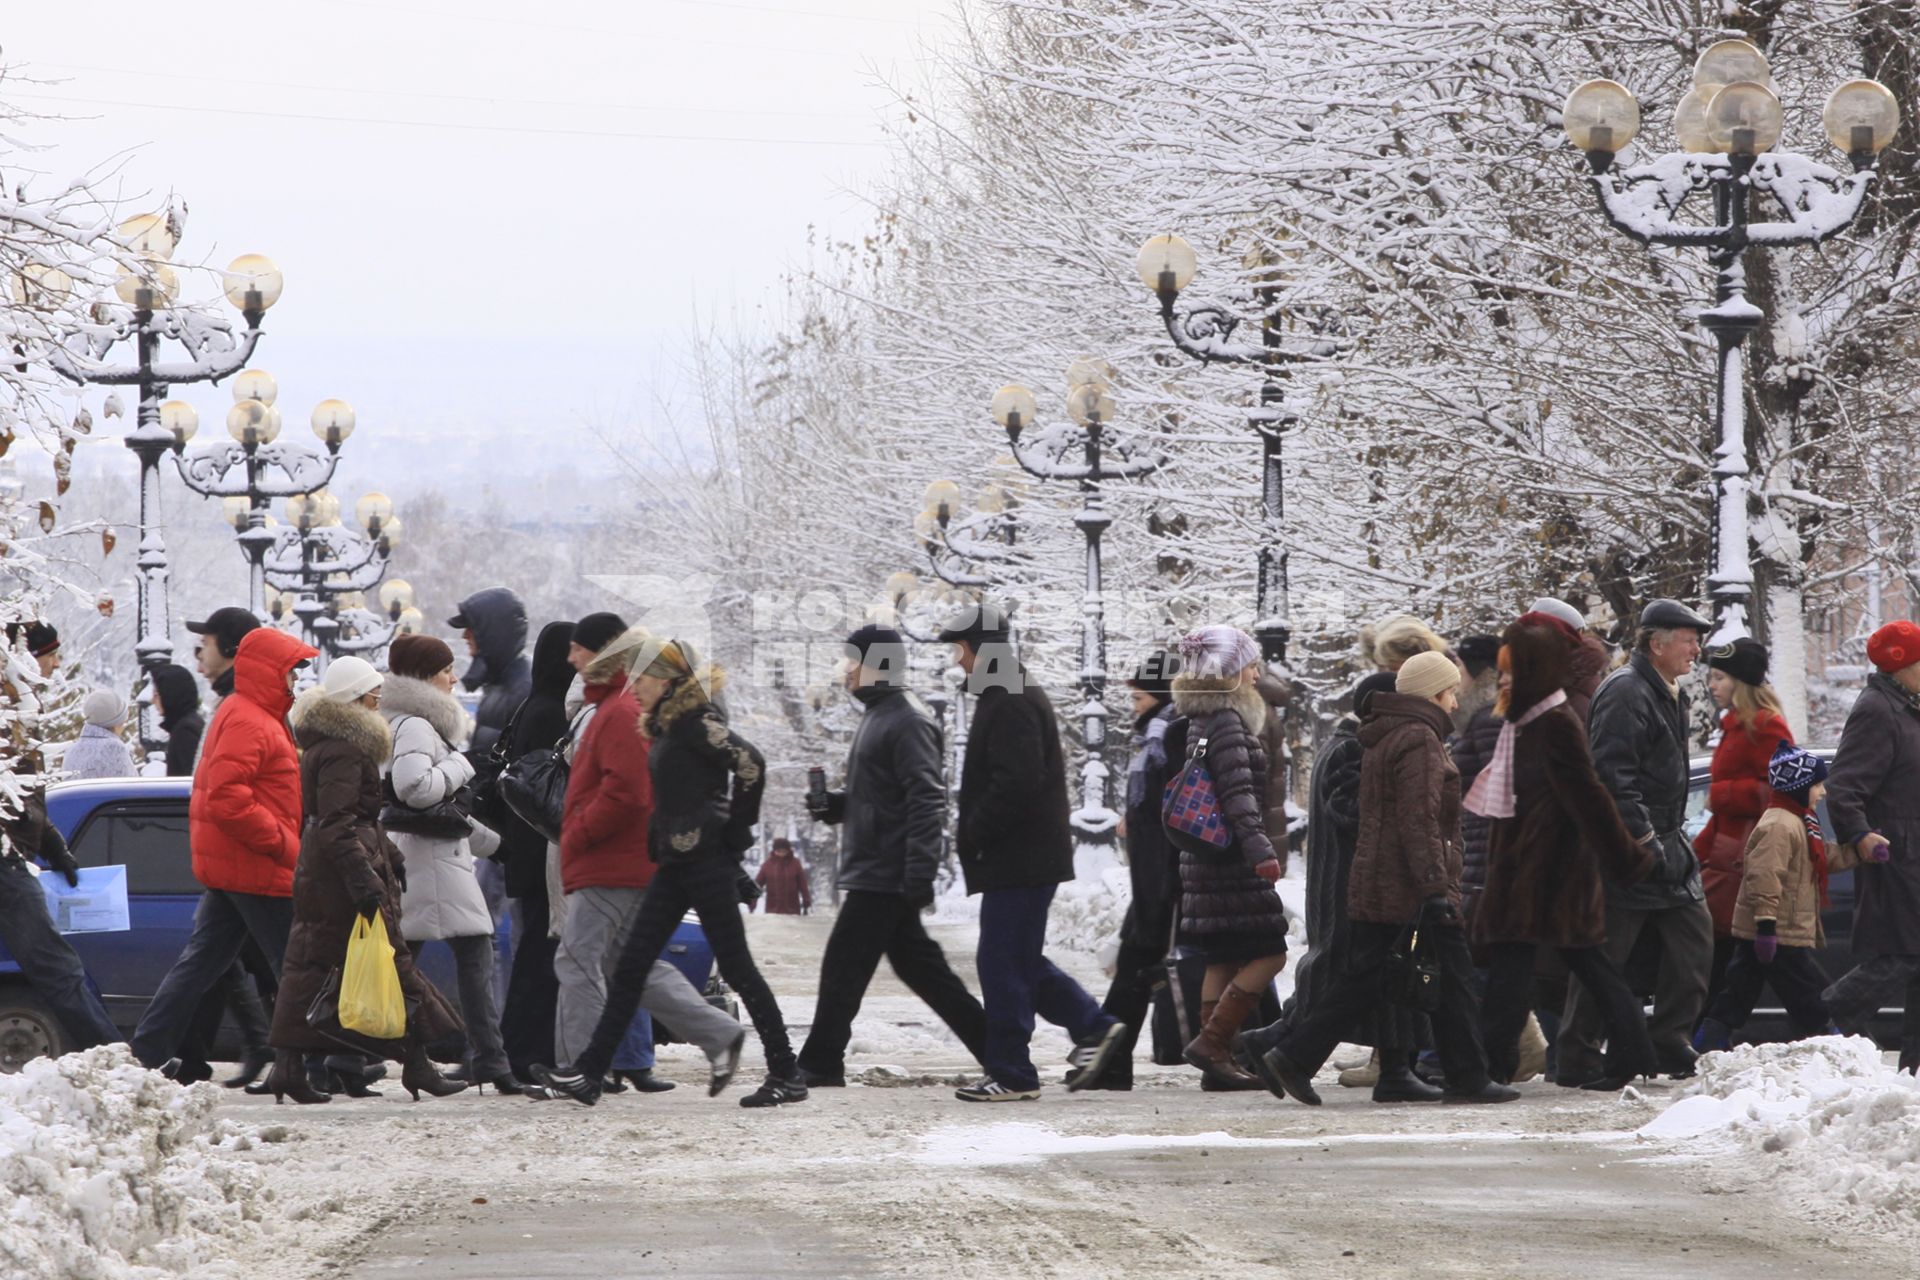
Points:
point(1152, 865)
point(440, 900)
point(1638, 734)
point(1554, 837)
point(176, 696)
point(244, 825)
point(348, 870)
point(1776, 917)
point(100, 751)
point(784, 880)
point(1229, 910)
point(493, 623)
point(1873, 800)
point(892, 814)
point(1752, 727)
point(1015, 846)
point(706, 784)
point(1406, 872)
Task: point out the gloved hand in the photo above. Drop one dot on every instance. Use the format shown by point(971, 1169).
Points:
point(746, 887)
point(1875, 848)
point(54, 852)
point(1268, 870)
point(1439, 910)
point(920, 896)
point(1765, 944)
point(819, 802)
point(368, 906)
point(400, 873)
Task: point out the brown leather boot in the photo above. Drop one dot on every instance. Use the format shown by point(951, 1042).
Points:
point(1212, 1050)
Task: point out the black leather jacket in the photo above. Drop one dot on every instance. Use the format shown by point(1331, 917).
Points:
point(895, 803)
point(1640, 750)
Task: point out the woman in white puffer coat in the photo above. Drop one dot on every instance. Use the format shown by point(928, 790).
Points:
point(441, 900)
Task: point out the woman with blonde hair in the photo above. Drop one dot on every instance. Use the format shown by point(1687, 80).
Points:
point(1402, 637)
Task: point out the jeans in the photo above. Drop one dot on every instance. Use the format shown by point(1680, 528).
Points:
point(1679, 992)
point(871, 925)
point(533, 992)
point(1796, 977)
point(222, 923)
point(707, 886)
point(493, 887)
point(1862, 990)
point(1510, 995)
point(48, 959)
point(1017, 982)
point(1310, 1041)
point(473, 963)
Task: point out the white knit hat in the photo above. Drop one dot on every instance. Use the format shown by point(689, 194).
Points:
point(1560, 609)
point(104, 707)
point(349, 678)
point(1427, 675)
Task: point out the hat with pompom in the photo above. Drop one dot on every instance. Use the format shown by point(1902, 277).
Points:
point(1792, 769)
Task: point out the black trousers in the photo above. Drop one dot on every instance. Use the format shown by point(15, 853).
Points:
point(1309, 1042)
point(1137, 970)
point(239, 990)
point(871, 925)
point(1510, 996)
point(707, 887)
point(533, 993)
point(1797, 979)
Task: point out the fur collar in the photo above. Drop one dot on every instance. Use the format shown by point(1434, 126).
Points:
point(1196, 696)
point(315, 715)
point(684, 696)
point(408, 696)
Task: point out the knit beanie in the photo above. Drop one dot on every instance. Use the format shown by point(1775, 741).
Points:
point(349, 678)
point(594, 630)
point(1215, 653)
point(1745, 660)
point(104, 707)
point(1427, 675)
point(1894, 647)
point(419, 657)
point(1793, 771)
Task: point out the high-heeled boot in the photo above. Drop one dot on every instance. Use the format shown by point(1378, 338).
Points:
point(1212, 1050)
point(288, 1079)
point(418, 1076)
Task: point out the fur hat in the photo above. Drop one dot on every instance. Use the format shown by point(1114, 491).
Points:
point(1792, 770)
point(1400, 638)
point(349, 678)
point(420, 657)
point(1744, 659)
point(1894, 647)
point(104, 707)
point(1479, 653)
point(1217, 653)
point(1427, 675)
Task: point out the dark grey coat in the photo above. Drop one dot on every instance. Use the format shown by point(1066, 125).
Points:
point(1221, 898)
point(894, 806)
point(1875, 786)
point(1013, 830)
point(1639, 736)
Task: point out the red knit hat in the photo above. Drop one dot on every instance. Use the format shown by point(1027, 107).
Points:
point(1894, 647)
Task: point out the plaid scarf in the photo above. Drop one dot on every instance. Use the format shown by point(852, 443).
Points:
point(1816, 838)
point(1491, 795)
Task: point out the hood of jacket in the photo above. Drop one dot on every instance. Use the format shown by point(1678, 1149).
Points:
point(1393, 711)
point(552, 673)
point(261, 667)
point(1588, 665)
point(498, 621)
point(1195, 697)
point(408, 696)
point(316, 717)
point(179, 693)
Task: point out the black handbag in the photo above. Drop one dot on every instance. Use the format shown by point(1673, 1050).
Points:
point(447, 820)
point(534, 787)
point(1412, 975)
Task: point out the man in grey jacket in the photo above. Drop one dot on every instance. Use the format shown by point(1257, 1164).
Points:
point(1641, 751)
point(892, 812)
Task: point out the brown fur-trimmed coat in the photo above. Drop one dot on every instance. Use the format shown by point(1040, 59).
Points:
point(1409, 847)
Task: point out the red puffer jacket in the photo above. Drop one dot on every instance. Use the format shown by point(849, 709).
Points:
point(244, 819)
point(603, 829)
point(1739, 794)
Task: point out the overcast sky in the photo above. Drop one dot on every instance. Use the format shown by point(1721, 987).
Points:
point(489, 214)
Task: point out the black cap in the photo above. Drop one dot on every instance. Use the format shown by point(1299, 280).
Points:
point(227, 626)
point(595, 631)
point(1671, 615)
point(1479, 653)
point(1745, 660)
point(976, 624)
point(863, 641)
point(1155, 673)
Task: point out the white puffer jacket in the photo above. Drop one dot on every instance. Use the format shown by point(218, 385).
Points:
point(442, 898)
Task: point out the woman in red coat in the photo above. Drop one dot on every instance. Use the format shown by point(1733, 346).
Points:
point(1751, 730)
point(785, 880)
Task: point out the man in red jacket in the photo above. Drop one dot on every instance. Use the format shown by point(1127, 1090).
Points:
point(244, 824)
point(605, 867)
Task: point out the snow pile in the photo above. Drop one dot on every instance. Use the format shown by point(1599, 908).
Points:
point(1828, 1114)
point(111, 1172)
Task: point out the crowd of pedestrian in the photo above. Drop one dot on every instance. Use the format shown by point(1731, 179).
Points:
point(1496, 837)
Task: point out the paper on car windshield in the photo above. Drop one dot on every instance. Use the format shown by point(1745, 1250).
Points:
point(98, 904)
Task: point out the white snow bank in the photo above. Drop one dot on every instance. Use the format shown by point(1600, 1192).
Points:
point(111, 1172)
point(1827, 1114)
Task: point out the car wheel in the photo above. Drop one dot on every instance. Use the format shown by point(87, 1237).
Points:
point(28, 1030)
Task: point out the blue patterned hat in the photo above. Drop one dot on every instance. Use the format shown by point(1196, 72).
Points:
point(1792, 770)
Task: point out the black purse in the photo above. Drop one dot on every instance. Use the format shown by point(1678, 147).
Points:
point(535, 788)
point(447, 820)
point(1412, 975)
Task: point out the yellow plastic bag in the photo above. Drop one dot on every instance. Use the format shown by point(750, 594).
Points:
point(370, 999)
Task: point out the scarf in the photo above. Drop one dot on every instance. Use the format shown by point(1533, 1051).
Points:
point(1816, 838)
point(1492, 793)
point(1894, 687)
point(1149, 756)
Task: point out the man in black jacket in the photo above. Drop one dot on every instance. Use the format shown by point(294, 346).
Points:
point(892, 813)
point(1016, 847)
point(1641, 751)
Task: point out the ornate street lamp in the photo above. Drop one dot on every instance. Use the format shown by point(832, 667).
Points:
point(1727, 126)
point(950, 538)
point(1090, 455)
point(321, 561)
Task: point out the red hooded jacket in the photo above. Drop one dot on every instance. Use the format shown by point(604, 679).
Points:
point(603, 829)
point(1738, 795)
point(244, 819)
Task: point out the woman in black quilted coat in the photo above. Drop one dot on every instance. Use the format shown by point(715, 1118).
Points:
point(1229, 910)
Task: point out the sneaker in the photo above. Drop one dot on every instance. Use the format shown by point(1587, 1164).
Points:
point(991, 1090)
point(567, 1084)
point(725, 1065)
point(1091, 1059)
point(775, 1092)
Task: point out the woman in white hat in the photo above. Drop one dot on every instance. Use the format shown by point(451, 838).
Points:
point(99, 751)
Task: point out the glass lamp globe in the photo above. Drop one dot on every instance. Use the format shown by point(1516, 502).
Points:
point(412, 622)
point(180, 418)
point(148, 235)
point(1731, 62)
point(942, 498)
point(1090, 405)
point(1013, 407)
point(902, 585)
point(154, 285)
point(252, 422)
point(1744, 119)
point(1091, 371)
point(234, 510)
point(392, 532)
point(256, 384)
point(1601, 115)
point(373, 509)
point(396, 593)
point(1690, 121)
point(38, 284)
point(252, 279)
point(333, 421)
point(1166, 264)
point(1861, 116)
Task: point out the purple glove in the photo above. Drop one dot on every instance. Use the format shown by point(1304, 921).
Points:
point(1880, 852)
point(1765, 945)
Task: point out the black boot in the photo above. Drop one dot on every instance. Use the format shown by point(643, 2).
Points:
point(255, 1062)
point(1397, 1082)
point(417, 1076)
point(288, 1079)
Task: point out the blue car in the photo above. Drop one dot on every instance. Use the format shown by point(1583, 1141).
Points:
point(141, 824)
